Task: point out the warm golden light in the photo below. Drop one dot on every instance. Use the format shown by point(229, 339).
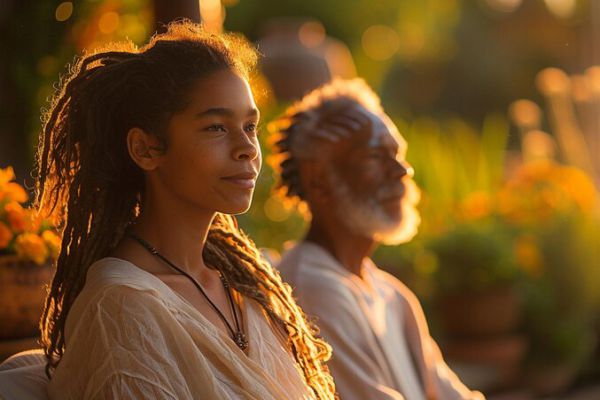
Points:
point(64, 11)
point(580, 89)
point(108, 22)
point(593, 78)
point(525, 114)
point(132, 27)
point(561, 8)
point(380, 42)
point(552, 81)
point(504, 5)
point(275, 210)
point(211, 12)
point(538, 145)
point(311, 34)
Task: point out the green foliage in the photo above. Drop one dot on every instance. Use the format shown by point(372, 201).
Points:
point(563, 302)
point(474, 257)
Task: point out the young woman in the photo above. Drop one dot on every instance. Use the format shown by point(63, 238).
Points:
point(145, 154)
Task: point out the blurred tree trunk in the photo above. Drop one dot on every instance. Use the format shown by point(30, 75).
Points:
point(14, 108)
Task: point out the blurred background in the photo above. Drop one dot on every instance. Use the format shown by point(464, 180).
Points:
point(500, 103)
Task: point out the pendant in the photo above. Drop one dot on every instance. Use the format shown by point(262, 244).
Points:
point(240, 340)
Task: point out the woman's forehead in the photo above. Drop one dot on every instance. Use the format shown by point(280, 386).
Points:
point(222, 89)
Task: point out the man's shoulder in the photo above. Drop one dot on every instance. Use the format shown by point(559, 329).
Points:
point(308, 269)
point(305, 259)
point(395, 284)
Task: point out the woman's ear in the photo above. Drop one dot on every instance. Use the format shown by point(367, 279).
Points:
point(142, 148)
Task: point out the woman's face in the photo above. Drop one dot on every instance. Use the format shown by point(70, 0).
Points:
point(213, 155)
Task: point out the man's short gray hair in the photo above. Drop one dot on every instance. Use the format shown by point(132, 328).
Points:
point(294, 132)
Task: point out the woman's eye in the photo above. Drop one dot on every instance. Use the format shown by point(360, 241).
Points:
point(216, 128)
point(251, 128)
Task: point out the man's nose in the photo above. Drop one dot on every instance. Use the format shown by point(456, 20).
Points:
point(402, 168)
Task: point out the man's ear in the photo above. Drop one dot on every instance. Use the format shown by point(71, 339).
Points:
point(315, 181)
point(142, 148)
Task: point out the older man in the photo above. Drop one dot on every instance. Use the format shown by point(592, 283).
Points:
point(340, 155)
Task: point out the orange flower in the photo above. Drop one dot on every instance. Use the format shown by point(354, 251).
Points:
point(476, 206)
point(15, 192)
point(528, 255)
point(6, 175)
point(33, 221)
point(53, 242)
point(6, 235)
point(15, 214)
point(30, 246)
point(541, 189)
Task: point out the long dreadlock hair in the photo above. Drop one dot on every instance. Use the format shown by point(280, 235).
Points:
point(87, 180)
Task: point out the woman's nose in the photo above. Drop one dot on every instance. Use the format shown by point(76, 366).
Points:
point(246, 149)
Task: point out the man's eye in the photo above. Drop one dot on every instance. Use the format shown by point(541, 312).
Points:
point(216, 128)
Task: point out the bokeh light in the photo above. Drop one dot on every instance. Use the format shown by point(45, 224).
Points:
point(64, 11)
point(380, 42)
point(561, 8)
point(525, 114)
point(311, 34)
point(275, 210)
point(552, 81)
point(108, 22)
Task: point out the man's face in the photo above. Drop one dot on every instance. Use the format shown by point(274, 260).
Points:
point(371, 182)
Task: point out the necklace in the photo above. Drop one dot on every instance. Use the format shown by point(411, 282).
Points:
point(237, 335)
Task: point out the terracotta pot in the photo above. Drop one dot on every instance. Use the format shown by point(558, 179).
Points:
point(553, 379)
point(502, 356)
point(22, 296)
point(496, 311)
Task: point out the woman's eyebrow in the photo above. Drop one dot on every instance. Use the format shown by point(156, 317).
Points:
point(225, 112)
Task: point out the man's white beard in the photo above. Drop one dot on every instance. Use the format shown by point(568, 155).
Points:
point(366, 217)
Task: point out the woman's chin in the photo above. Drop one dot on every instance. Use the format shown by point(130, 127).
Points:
point(235, 209)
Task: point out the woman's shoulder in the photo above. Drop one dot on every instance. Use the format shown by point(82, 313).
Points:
point(116, 288)
point(112, 271)
point(113, 280)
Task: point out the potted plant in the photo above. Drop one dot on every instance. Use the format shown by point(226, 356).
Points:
point(555, 210)
point(28, 245)
point(476, 278)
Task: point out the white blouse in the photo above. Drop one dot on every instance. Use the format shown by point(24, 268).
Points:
point(130, 336)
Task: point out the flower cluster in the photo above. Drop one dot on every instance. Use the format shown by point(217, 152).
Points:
point(540, 190)
point(22, 231)
point(537, 196)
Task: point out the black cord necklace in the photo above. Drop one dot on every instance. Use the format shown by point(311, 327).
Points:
point(237, 335)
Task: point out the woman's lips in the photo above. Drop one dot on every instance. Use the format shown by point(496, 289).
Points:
point(246, 180)
point(243, 183)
